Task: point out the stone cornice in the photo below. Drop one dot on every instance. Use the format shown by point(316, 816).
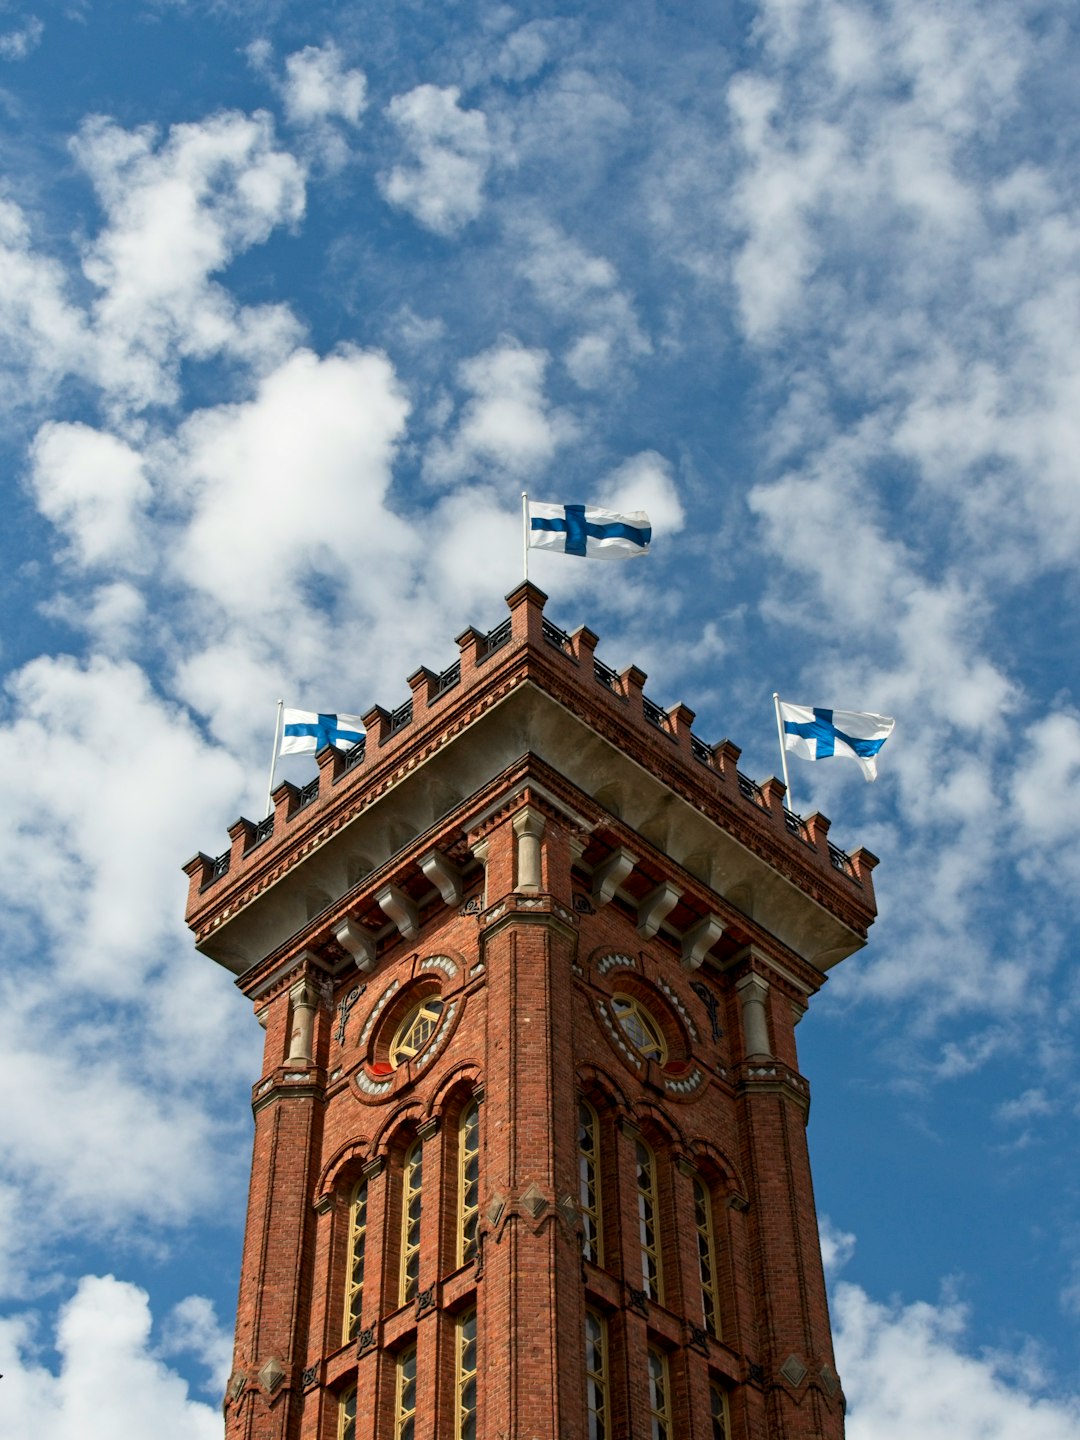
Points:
point(531, 658)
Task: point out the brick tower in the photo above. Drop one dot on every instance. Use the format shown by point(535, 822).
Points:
point(530, 1158)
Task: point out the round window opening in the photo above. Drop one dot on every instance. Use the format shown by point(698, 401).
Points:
point(415, 1030)
point(640, 1028)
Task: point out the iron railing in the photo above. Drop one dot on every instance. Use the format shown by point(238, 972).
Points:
point(497, 638)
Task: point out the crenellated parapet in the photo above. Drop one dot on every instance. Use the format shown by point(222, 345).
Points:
point(528, 689)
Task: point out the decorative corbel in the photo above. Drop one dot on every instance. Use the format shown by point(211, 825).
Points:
point(358, 942)
point(655, 907)
point(699, 940)
point(610, 874)
point(444, 875)
point(395, 904)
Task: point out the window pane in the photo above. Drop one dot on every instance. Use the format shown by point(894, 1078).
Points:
point(466, 1377)
point(706, 1256)
point(415, 1030)
point(596, 1375)
point(639, 1027)
point(355, 1267)
point(658, 1396)
point(468, 1182)
point(411, 1202)
point(721, 1429)
point(405, 1418)
point(347, 1416)
point(589, 1184)
point(647, 1230)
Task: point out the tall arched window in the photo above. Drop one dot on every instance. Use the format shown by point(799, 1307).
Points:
point(354, 1294)
point(648, 1229)
point(468, 1182)
point(592, 1241)
point(347, 1415)
point(703, 1221)
point(718, 1403)
point(596, 1375)
point(659, 1397)
point(412, 1178)
point(405, 1395)
point(465, 1347)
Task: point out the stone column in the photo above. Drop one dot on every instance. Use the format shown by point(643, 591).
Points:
point(529, 829)
point(304, 999)
point(753, 992)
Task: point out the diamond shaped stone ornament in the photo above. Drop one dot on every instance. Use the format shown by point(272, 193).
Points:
point(271, 1374)
point(793, 1370)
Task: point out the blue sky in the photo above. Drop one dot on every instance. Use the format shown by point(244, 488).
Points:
point(293, 304)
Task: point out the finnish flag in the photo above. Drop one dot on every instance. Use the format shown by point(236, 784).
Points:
point(588, 530)
point(816, 734)
point(306, 733)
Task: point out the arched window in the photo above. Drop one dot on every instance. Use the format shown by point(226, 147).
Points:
point(354, 1293)
point(596, 1375)
point(415, 1030)
point(659, 1397)
point(648, 1229)
point(468, 1182)
point(347, 1415)
point(592, 1242)
point(640, 1028)
point(405, 1395)
point(412, 1178)
point(706, 1244)
point(465, 1348)
point(718, 1409)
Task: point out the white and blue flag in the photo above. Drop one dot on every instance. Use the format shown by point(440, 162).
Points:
point(817, 734)
point(305, 732)
point(588, 530)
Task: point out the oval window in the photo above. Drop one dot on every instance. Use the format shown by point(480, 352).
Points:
point(640, 1028)
point(415, 1030)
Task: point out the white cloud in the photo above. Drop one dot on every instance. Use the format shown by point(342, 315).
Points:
point(176, 213)
point(42, 333)
point(583, 289)
point(452, 151)
point(576, 115)
point(837, 1247)
point(905, 1373)
point(114, 616)
point(17, 44)
point(69, 1141)
point(291, 487)
point(110, 850)
point(644, 482)
point(318, 87)
point(1031, 1104)
point(110, 1381)
point(192, 1327)
point(507, 424)
point(92, 486)
point(1046, 788)
point(526, 50)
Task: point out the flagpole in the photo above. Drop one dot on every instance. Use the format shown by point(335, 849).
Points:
point(783, 750)
point(525, 531)
point(274, 756)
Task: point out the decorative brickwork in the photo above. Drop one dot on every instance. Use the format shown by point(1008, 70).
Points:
point(556, 1136)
